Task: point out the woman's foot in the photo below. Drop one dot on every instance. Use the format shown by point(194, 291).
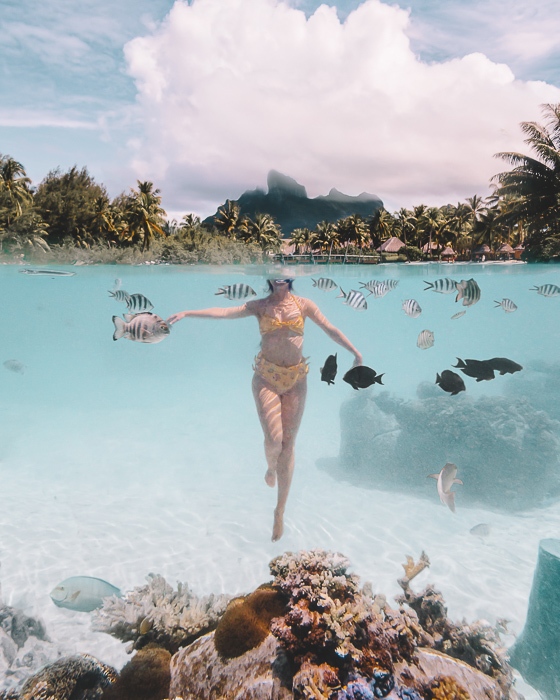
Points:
point(270, 478)
point(278, 527)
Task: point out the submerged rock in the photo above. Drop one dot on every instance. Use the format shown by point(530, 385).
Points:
point(507, 452)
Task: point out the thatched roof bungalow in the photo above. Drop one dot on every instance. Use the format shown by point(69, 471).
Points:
point(448, 254)
point(481, 252)
point(391, 245)
point(505, 252)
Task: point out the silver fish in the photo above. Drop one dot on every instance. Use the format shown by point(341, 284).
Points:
point(324, 284)
point(120, 295)
point(143, 328)
point(236, 291)
point(547, 290)
point(82, 593)
point(458, 315)
point(14, 366)
point(468, 291)
point(442, 286)
point(480, 530)
point(138, 303)
point(391, 284)
point(445, 480)
point(354, 298)
point(46, 273)
point(425, 340)
point(507, 305)
point(411, 308)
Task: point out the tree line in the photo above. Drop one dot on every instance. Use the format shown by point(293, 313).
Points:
point(69, 212)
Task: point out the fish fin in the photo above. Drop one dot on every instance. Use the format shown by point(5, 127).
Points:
point(342, 294)
point(498, 303)
point(378, 379)
point(450, 501)
point(314, 282)
point(430, 285)
point(432, 476)
point(119, 328)
point(221, 290)
point(111, 294)
point(438, 378)
point(458, 481)
point(74, 596)
point(460, 364)
point(128, 317)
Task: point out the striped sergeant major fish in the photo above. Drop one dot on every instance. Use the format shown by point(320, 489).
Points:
point(324, 284)
point(547, 290)
point(120, 295)
point(354, 298)
point(425, 340)
point(411, 308)
point(442, 286)
point(138, 303)
point(507, 305)
point(236, 291)
point(378, 288)
point(468, 291)
point(142, 328)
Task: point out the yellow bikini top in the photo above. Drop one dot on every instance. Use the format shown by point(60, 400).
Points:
point(267, 324)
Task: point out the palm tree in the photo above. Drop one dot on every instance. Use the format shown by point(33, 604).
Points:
point(302, 239)
point(326, 236)
point(227, 219)
point(263, 231)
point(381, 227)
point(15, 186)
point(145, 215)
point(431, 223)
point(535, 181)
point(26, 233)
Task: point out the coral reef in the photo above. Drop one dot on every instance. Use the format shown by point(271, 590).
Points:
point(80, 677)
point(157, 613)
point(389, 443)
point(246, 621)
point(145, 677)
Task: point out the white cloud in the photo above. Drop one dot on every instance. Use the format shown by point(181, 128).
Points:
point(228, 89)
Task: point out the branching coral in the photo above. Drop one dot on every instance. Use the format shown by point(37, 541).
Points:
point(157, 613)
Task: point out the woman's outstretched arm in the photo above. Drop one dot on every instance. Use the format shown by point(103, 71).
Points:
point(313, 312)
point(247, 309)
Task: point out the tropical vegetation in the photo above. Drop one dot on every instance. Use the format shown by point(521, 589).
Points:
point(69, 217)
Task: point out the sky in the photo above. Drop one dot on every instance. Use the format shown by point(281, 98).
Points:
point(409, 101)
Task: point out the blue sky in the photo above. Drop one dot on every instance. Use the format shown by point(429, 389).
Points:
point(406, 100)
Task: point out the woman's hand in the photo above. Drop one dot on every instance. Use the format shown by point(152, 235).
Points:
point(358, 360)
point(176, 317)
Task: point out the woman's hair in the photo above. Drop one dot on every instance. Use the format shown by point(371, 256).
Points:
point(290, 284)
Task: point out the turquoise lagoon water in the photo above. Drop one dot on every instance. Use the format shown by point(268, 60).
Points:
point(120, 458)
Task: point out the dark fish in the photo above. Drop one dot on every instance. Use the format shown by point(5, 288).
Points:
point(361, 377)
point(442, 286)
point(236, 291)
point(46, 273)
point(480, 370)
point(329, 369)
point(324, 284)
point(14, 366)
point(138, 303)
point(143, 328)
point(354, 298)
point(503, 365)
point(547, 290)
point(450, 381)
point(468, 291)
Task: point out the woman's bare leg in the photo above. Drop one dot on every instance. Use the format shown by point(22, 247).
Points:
point(293, 403)
point(270, 414)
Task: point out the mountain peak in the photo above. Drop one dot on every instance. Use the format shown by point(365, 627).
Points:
point(283, 183)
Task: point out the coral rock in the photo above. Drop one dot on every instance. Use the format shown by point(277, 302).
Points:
point(145, 677)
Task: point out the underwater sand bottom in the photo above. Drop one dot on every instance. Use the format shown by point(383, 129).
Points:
point(206, 519)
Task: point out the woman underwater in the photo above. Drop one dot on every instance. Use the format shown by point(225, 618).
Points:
point(280, 379)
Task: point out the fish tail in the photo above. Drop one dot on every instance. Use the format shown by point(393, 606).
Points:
point(430, 285)
point(460, 363)
point(342, 294)
point(498, 303)
point(438, 378)
point(378, 378)
point(119, 328)
point(112, 293)
point(221, 290)
point(314, 282)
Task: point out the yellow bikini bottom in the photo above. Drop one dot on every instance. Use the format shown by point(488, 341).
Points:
point(280, 379)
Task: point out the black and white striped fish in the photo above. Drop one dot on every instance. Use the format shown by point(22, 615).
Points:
point(507, 305)
point(143, 328)
point(120, 295)
point(324, 284)
point(411, 308)
point(442, 286)
point(547, 290)
point(354, 298)
point(236, 291)
point(391, 284)
point(138, 303)
point(378, 288)
point(468, 291)
point(425, 340)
